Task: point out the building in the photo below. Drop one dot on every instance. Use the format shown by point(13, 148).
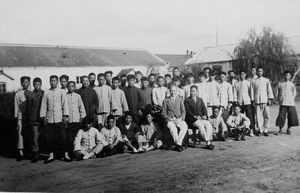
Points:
point(176, 60)
point(43, 61)
point(219, 58)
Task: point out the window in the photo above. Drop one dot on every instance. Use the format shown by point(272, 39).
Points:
point(77, 79)
point(2, 87)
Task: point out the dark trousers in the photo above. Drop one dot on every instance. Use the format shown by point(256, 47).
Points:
point(247, 109)
point(292, 116)
point(56, 138)
point(106, 151)
point(72, 130)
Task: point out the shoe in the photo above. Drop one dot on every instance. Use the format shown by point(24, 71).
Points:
point(266, 134)
point(66, 159)
point(48, 161)
point(243, 138)
point(179, 148)
point(20, 157)
point(34, 159)
point(251, 135)
point(288, 131)
point(222, 139)
point(210, 147)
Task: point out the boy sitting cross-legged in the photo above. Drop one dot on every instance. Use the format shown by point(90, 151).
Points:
point(88, 142)
point(150, 138)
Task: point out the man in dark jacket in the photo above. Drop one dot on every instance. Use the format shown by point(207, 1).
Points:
point(196, 116)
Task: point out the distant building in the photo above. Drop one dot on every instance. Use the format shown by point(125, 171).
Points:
point(176, 60)
point(219, 58)
point(43, 61)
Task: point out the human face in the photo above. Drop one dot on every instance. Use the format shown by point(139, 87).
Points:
point(206, 72)
point(287, 76)
point(123, 80)
point(201, 78)
point(71, 87)
point(131, 82)
point(110, 123)
point(243, 75)
point(92, 78)
point(216, 112)
point(101, 80)
point(149, 118)
point(87, 127)
point(168, 80)
point(160, 82)
point(191, 80)
point(231, 75)
point(138, 77)
point(108, 77)
point(177, 82)
point(85, 82)
point(260, 72)
point(173, 91)
point(25, 84)
point(223, 77)
point(128, 119)
point(151, 79)
point(193, 92)
point(53, 82)
point(37, 86)
point(253, 71)
point(63, 83)
point(176, 72)
point(236, 110)
point(144, 84)
point(115, 84)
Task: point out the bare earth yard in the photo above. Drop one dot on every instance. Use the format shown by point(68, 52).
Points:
point(260, 164)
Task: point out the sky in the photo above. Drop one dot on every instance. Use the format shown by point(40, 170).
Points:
point(160, 26)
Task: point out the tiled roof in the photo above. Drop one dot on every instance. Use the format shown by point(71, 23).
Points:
point(174, 59)
point(12, 55)
point(213, 54)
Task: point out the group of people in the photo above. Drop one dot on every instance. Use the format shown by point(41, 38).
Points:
point(135, 113)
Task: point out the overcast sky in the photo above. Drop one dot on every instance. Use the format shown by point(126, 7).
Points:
point(161, 26)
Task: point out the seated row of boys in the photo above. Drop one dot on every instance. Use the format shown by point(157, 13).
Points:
point(178, 114)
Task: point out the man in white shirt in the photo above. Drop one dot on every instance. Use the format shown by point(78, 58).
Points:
point(286, 97)
point(203, 89)
point(118, 100)
point(159, 93)
point(226, 95)
point(213, 88)
point(243, 96)
point(263, 95)
point(187, 87)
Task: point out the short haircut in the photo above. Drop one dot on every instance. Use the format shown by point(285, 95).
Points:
point(128, 113)
point(253, 67)
point(130, 77)
point(64, 77)
point(82, 77)
point(175, 68)
point(168, 75)
point(201, 74)
point(213, 73)
point(37, 79)
point(53, 76)
point(123, 76)
point(108, 72)
point(243, 70)
point(109, 117)
point(116, 79)
point(194, 86)
point(71, 82)
point(216, 107)
point(236, 105)
point(223, 73)
point(260, 67)
point(207, 68)
point(144, 78)
point(160, 77)
point(229, 71)
point(100, 75)
point(172, 85)
point(189, 75)
point(176, 78)
point(138, 72)
point(23, 78)
point(92, 74)
point(151, 75)
point(87, 120)
point(287, 72)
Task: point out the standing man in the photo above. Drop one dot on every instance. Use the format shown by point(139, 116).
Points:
point(168, 80)
point(92, 79)
point(213, 88)
point(145, 97)
point(174, 115)
point(138, 77)
point(89, 98)
point(63, 80)
point(118, 100)
point(176, 72)
point(263, 95)
point(132, 94)
point(159, 93)
point(104, 97)
point(76, 114)
point(55, 112)
point(286, 97)
point(151, 79)
point(108, 77)
point(226, 95)
point(123, 81)
point(21, 114)
point(203, 89)
point(207, 73)
point(187, 87)
point(243, 96)
point(35, 122)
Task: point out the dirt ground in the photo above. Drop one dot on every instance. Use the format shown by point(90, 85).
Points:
point(260, 164)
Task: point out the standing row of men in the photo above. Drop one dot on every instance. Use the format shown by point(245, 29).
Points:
point(200, 106)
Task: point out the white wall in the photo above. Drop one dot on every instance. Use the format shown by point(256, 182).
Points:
point(45, 72)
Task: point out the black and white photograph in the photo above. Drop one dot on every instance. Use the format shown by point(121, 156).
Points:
point(148, 96)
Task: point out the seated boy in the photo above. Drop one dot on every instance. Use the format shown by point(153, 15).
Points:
point(130, 132)
point(218, 124)
point(88, 142)
point(150, 137)
point(113, 138)
point(238, 124)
